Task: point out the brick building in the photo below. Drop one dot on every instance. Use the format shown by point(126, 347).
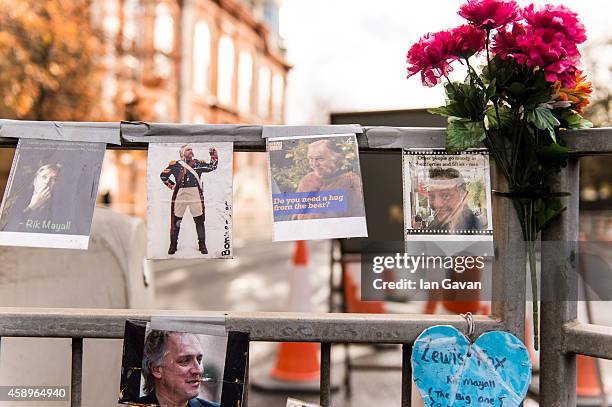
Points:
point(213, 61)
point(190, 61)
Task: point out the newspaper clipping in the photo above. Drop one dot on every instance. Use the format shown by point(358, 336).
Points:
point(51, 194)
point(162, 367)
point(447, 197)
point(190, 200)
point(316, 187)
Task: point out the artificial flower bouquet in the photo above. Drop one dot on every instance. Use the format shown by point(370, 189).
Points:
point(514, 102)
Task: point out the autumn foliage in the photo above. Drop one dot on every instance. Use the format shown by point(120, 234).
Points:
point(50, 60)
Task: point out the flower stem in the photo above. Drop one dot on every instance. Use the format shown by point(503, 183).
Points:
point(530, 214)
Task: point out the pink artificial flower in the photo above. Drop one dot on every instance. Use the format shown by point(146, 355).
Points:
point(467, 41)
point(548, 40)
point(505, 42)
point(490, 14)
point(559, 18)
point(431, 56)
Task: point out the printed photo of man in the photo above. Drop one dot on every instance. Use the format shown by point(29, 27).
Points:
point(172, 370)
point(448, 200)
point(38, 207)
point(325, 159)
point(183, 177)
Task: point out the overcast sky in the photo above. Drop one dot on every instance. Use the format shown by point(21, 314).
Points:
point(350, 55)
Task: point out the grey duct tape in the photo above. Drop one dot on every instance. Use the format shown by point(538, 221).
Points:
point(297, 131)
point(197, 325)
point(93, 132)
point(142, 132)
point(405, 137)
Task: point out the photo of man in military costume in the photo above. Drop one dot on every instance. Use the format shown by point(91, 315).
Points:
point(183, 177)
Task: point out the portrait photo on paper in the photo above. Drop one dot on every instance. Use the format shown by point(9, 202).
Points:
point(447, 196)
point(168, 368)
point(51, 194)
point(317, 192)
point(189, 213)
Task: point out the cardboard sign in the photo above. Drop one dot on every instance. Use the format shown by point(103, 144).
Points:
point(449, 370)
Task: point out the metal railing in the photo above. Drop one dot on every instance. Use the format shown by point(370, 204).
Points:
point(562, 337)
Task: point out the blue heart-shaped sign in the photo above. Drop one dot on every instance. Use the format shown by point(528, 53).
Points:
point(449, 370)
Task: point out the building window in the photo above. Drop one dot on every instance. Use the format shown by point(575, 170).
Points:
point(201, 57)
point(263, 107)
point(278, 87)
point(164, 29)
point(245, 81)
point(163, 66)
point(226, 70)
point(131, 10)
point(161, 112)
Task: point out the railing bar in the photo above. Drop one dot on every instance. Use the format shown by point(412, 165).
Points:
point(325, 374)
point(267, 327)
point(76, 380)
point(406, 375)
point(587, 339)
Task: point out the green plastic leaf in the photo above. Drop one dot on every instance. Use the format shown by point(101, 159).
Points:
point(492, 88)
point(571, 120)
point(553, 154)
point(517, 89)
point(543, 119)
point(465, 100)
point(442, 110)
point(505, 116)
point(547, 210)
point(462, 134)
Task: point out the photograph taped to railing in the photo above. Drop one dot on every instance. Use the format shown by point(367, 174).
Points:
point(317, 191)
point(182, 368)
point(447, 196)
point(189, 200)
point(51, 194)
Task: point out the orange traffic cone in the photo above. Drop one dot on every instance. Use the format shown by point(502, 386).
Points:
point(463, 301)
point(460, 301)
point(590, 389)
point(352, 292)
point(297, 364)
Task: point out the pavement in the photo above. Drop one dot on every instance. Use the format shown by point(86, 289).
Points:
point(257, 280)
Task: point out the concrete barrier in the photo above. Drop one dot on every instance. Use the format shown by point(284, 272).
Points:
point(110, 274)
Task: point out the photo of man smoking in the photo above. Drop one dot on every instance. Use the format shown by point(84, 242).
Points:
point(172, 370)
point(447, 194)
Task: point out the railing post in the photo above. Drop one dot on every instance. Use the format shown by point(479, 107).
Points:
point(509, 266)
point(325, 398)
point(76, 377)
point(406, 375)
point(559, 282)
